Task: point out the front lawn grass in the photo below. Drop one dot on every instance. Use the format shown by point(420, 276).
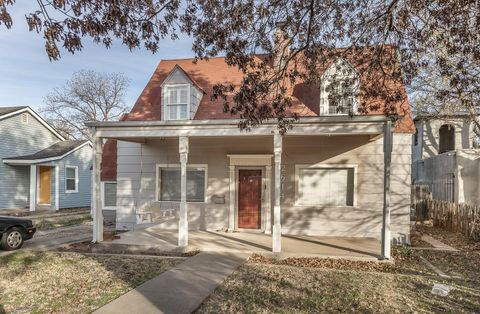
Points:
point(329, 286)
point(47, 282)
point(48, 224)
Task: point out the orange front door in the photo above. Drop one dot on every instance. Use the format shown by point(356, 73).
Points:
point(249, 198)
point(44, 185)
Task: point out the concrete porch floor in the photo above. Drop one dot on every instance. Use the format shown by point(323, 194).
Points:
point(221, 241)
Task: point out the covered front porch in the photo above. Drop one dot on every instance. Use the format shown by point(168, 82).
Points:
point(254, 242)
point(252, 180)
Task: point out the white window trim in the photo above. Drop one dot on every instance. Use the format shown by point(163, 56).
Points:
point(103, 196)
point(76, 179)
point(164, 99)
point(325, 80)
point(189, 166)
point(298, 167)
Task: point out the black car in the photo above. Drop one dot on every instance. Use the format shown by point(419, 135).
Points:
point(14, 231)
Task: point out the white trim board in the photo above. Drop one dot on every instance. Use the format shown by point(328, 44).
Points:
point(36, 116)
point(37, 161)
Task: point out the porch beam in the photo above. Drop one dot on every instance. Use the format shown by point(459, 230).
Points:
point(183, 215)
point(387, 153)
point(128, 132)
point(277, 227)
point(96, 191)
point(33, 187)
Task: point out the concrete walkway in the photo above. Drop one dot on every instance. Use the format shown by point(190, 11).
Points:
point(438, 244)
point(181, 289)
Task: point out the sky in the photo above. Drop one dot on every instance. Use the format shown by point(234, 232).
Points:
point(27, 75)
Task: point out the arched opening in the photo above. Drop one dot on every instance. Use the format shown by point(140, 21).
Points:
point(447, 138)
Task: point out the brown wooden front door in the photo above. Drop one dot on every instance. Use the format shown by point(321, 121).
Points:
point(44, 185)
point(249, 198)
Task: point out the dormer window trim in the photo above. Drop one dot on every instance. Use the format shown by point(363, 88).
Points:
point(326, 80)
point(167, 105)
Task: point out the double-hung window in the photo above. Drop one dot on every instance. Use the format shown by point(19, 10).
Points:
point(71, 179)
point(325, 186)
point(168, 183)
point(109, 195)
point(176, 102)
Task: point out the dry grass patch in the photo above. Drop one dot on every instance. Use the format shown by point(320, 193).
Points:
point(53, 223)
point(40, 282)
point(312, 285)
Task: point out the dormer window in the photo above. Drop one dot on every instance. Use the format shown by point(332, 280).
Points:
point(340, 85)
point(177, 102)
point(341, 98)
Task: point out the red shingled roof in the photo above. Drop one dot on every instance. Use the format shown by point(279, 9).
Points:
point(206, 73)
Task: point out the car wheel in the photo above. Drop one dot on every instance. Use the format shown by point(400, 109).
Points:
point(12, 239)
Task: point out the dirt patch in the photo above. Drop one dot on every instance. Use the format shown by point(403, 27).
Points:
point(456, 240)
point(110, 248)
point(46, 282)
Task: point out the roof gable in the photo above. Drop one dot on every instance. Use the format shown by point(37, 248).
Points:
point(12, 111)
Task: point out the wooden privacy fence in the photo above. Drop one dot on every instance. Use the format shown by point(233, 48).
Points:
point(461, 218)
point(419, 196)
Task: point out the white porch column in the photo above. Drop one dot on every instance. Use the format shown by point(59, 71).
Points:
point(33, 187)
point(268, 193)
point(387, 153)
point(57, 187)
point(96, 191)
point(183, 219)
point(277, 227)
point(231, 212)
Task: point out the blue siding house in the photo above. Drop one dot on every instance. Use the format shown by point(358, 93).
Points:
point(39, 168)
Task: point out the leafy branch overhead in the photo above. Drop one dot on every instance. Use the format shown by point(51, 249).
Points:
point(387, 41)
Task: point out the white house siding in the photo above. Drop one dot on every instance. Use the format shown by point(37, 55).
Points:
point(429, 136)
point(136, 181)
point(19, 138)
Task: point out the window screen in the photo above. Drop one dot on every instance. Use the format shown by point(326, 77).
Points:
point(109, 194)
point(169, 184)
point(326, 186)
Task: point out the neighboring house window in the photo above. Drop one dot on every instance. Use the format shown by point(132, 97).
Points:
point(447, 138)
point(168, 180)
point(339, 90)
point(109, 194)
point(325, 186)
point(176, 102)
point(71, 179)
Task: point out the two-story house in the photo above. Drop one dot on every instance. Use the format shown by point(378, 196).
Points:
point(333, 174)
